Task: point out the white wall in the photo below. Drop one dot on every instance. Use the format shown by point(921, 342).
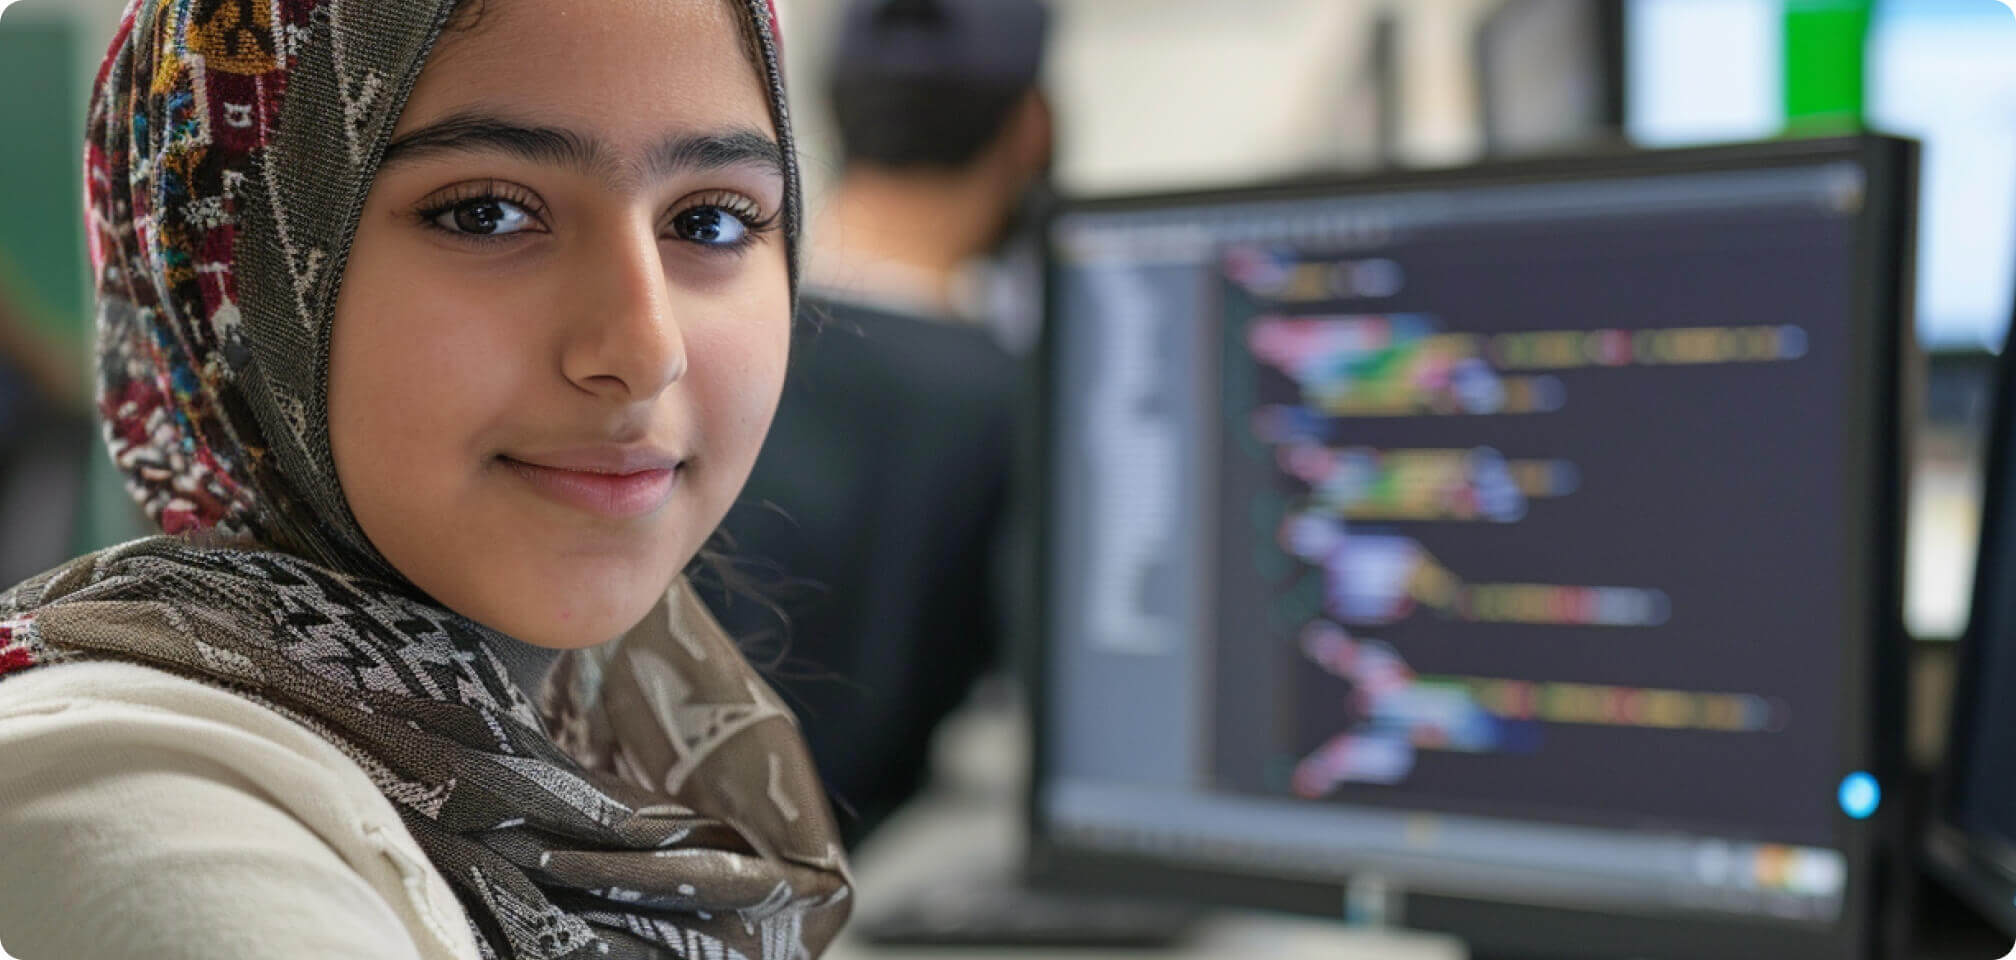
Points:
point(1164, 93)
point(1156, 93)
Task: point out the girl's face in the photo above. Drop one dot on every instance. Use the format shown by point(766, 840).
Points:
point(564, 326)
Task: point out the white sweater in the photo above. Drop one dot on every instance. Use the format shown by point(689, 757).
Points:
point(144, 816)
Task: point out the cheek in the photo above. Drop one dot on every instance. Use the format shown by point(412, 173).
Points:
point(417, 369)
point(740, 356)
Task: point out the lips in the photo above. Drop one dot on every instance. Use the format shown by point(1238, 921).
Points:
point(611, 482)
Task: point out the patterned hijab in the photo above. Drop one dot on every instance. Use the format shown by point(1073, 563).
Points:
point(654, 799)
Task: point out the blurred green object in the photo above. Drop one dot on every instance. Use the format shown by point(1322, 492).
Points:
point(41, 228)
point(1825, 42)
point(43, 260)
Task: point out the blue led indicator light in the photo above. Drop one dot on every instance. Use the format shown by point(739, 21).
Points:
point(1860, 796)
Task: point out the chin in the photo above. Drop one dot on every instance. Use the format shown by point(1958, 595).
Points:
point(545, 577)
point(582, 605)
point(582, 624)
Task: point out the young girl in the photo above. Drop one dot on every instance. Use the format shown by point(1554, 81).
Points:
point(449, 331)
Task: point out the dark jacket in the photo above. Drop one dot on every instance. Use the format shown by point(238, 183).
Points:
point(872, 522)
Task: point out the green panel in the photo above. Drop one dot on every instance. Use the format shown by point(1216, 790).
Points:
point(42, 255)
point(1825, 42)
point(43, 261)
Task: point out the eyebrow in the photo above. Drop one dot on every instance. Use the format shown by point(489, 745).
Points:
point(559, 146)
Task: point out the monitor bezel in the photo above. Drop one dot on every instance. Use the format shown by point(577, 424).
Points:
point(1953, 854)
point(1878, 850)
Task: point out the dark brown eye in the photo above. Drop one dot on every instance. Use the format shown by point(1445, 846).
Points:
point(710, 226)
point(484, 217)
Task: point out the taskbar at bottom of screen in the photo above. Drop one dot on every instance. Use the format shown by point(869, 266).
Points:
point(1459, 856)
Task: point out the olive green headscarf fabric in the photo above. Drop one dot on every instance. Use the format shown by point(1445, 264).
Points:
point(654, 798)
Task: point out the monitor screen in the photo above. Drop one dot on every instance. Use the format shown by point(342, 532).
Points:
point(1506, 536)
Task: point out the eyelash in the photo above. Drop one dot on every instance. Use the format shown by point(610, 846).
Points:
point(755, 224)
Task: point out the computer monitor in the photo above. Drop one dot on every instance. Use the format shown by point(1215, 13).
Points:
point(1971, 830)
point(1513, 550)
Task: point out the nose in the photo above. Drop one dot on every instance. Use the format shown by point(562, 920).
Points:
point(624, 342)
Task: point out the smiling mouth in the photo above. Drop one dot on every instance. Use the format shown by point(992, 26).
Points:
point(615, 493)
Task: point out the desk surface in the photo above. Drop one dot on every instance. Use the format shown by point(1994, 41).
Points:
point(984, 828)
point(974, 812)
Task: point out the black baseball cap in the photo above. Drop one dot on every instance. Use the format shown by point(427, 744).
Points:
point(993, 42)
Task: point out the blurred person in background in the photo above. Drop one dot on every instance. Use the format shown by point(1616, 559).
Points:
point(877, 508)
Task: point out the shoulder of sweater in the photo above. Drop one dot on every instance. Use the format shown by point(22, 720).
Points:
point(144, 698)
point(75, 733)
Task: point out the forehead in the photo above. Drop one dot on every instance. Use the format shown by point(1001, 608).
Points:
point(628, 70)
